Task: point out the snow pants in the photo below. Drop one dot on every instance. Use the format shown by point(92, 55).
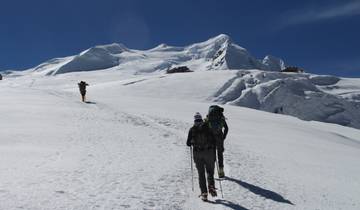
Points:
point(83, 93)
point(205, 161)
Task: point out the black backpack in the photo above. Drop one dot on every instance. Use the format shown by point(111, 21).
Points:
point(200, 137)
point(216, 118)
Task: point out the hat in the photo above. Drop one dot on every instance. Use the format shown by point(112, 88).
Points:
point(197, 116)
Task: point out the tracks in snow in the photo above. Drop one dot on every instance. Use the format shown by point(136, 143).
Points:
point(112, 159)
point(119, 161)
point(140, 161)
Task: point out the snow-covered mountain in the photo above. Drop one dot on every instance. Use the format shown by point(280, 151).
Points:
point(219, 52)
point(252, 83)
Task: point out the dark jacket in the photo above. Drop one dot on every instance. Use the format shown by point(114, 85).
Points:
point(82, 87)
point(203, 130)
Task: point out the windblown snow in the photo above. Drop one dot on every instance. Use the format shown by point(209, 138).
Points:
point(125, 148)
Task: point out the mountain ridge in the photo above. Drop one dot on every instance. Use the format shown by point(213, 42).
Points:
point(216, 53)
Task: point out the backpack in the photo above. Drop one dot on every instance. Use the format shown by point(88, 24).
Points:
point(200, 138)
point(216, 118)
point(82, 86)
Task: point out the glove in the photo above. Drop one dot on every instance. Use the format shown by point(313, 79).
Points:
point(188, 144)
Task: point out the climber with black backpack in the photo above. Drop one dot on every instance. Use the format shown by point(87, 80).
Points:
point(82, 88)
point(216, 122)
point(203, 145)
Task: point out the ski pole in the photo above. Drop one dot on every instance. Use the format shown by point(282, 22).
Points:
point(217, 166)
point(192, 170)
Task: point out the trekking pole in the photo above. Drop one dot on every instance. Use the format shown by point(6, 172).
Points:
point(192, 170)
point(217, 167)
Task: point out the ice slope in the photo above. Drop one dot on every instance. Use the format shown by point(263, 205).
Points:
point(306, 96)
point(125, 149)
point(219, 52)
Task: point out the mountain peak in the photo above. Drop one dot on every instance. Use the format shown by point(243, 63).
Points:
point(221, 38)
point(273, 63)
point(114, 48)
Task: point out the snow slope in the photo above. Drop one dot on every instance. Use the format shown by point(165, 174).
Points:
point(306, 96)
point(125, 149)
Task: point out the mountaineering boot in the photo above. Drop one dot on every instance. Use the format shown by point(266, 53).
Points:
point(204, 196)
point(221, 172)
point(212, 191)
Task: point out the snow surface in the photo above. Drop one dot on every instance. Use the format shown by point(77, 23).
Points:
point(125, 148)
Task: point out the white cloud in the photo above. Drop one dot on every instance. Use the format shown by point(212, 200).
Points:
point(347, 9)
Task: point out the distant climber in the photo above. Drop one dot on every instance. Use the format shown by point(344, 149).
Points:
point(82, 87)
point(0, 77)
point(217, 123)
point(279, 110)
point(203, 145)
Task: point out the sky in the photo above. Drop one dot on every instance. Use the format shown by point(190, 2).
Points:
point(320, 36)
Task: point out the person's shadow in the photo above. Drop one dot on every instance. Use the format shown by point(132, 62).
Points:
point(228, 204)
point(90, 102)
point(268, 194)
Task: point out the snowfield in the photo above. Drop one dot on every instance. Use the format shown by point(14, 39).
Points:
point(125, 148)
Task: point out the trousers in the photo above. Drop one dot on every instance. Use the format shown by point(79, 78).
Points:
point(205, 163)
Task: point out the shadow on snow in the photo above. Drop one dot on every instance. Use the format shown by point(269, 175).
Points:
point(268, 194)
point(228, 204)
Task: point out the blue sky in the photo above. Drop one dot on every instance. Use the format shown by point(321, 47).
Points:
point(321, 36)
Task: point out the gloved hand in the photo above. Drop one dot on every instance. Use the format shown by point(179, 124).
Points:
point(188, 144)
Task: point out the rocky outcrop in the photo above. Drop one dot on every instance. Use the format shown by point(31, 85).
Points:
point(180, 69)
